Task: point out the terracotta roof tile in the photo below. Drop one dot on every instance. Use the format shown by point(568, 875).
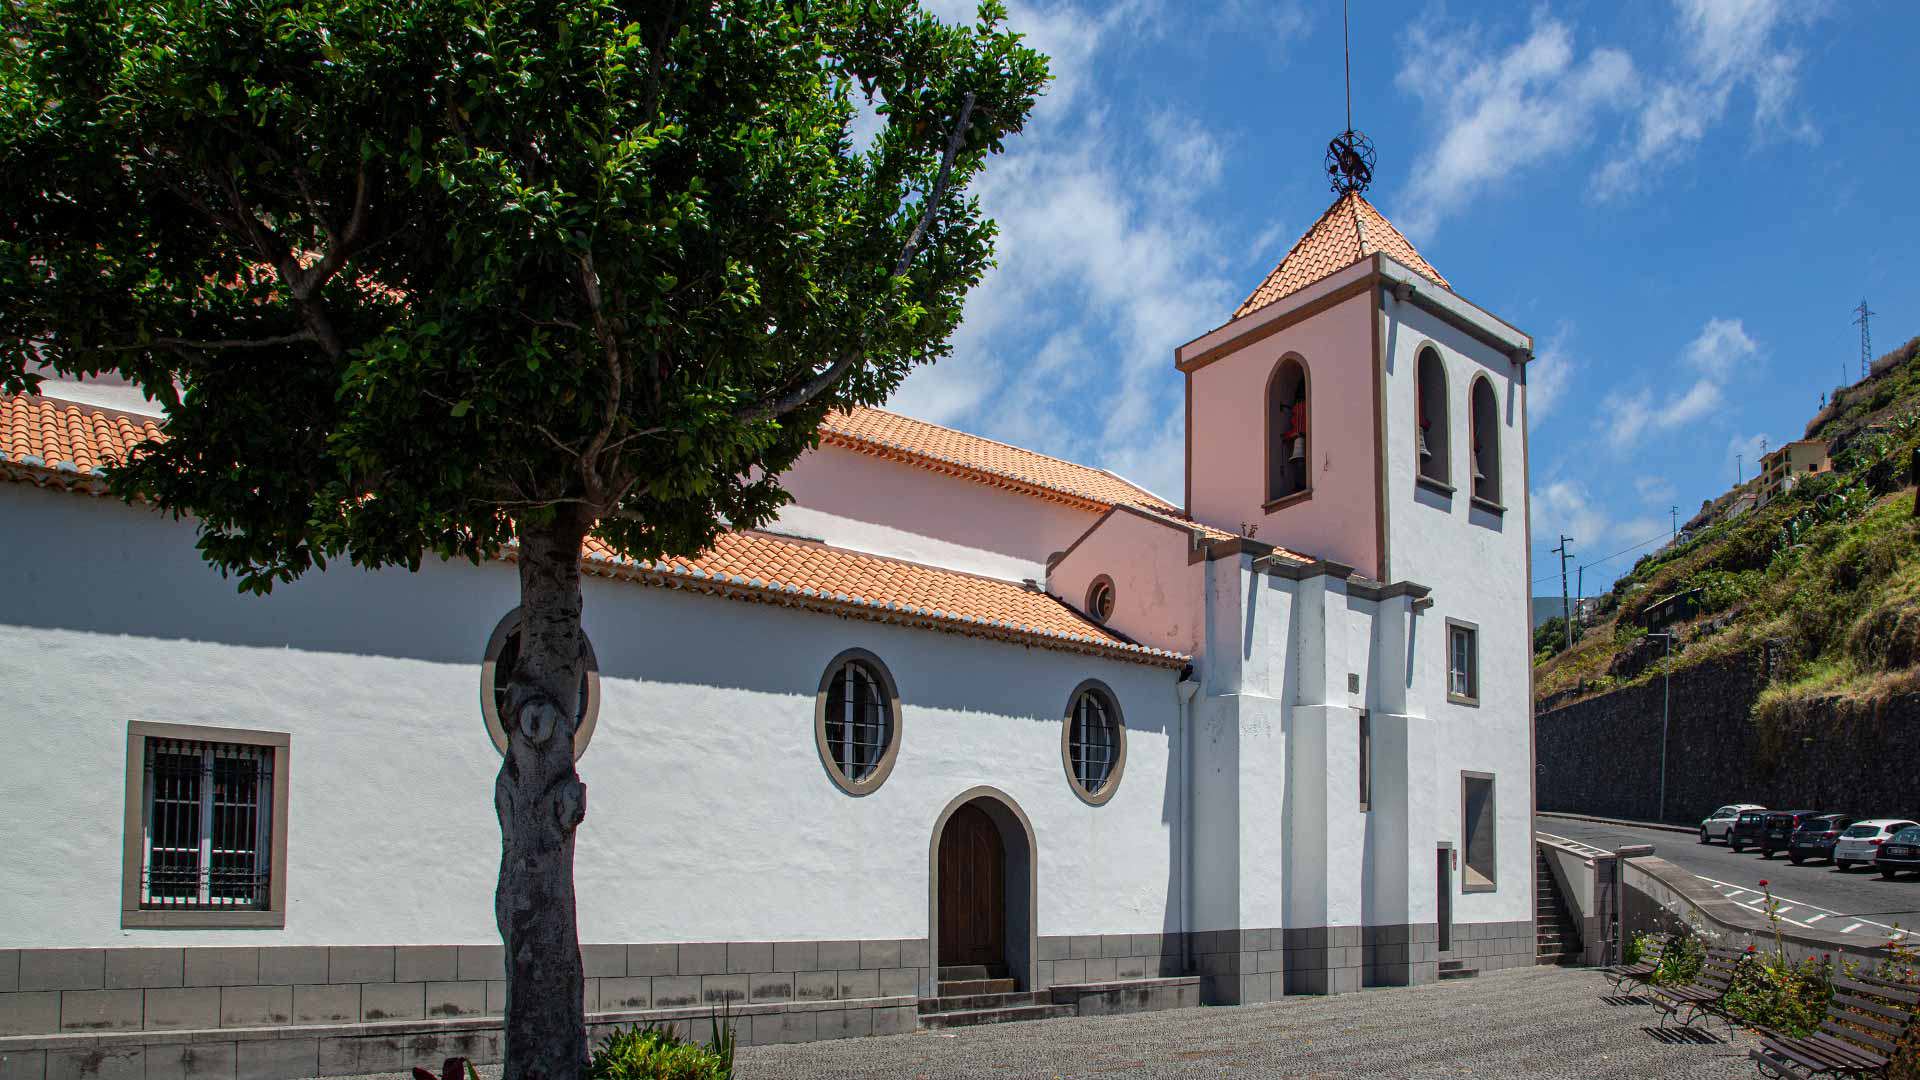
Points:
point(50, 441)
point(758, 566)
point(1349, 231)
point(942, 449)
point(63, 438)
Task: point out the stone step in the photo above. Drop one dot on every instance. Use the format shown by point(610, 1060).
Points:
point(973, 987)
point(974, 1017)
point(1456, 969)
point(976, 1002)
point(965, 972)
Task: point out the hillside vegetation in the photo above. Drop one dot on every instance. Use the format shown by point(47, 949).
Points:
point(1824, 580)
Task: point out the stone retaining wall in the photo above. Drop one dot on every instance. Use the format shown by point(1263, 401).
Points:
point(1601, 756)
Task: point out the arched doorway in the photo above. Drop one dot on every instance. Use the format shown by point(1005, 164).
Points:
point(981, 896)
point(973, 893)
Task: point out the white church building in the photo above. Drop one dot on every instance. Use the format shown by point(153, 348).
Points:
point(968, 719)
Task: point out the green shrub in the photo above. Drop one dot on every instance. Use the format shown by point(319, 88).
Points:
point(655, 1053)
point(1682, 960)
point(1772, 992)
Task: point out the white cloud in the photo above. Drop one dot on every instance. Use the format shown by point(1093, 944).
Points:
point(1731, 45)
point(1743, 456)
point(1501, 111)
point(1654, 489)
point(1105, 265)
point(1714, 356)
point(1549, 375)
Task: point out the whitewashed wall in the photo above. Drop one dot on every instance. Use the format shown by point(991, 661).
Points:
point(709, 816)
point(1476, 563)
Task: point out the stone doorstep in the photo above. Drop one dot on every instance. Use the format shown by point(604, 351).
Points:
point(1125, 984)
point(13, 1044)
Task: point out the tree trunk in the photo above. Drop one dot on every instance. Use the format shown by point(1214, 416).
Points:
point(541, 801)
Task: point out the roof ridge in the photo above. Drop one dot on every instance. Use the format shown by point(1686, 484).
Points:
point(1008, 445)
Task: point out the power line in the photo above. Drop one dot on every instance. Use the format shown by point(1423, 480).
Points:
point(1603, 559)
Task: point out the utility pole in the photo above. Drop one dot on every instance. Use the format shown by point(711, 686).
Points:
point(1675, 512)
point(1666, 713)
point(1566, 608)
point(1739, 469)
point(1862, 319)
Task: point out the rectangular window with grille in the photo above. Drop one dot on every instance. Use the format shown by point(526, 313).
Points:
point(1463, 663)
point(206, 830)
point(208, 825)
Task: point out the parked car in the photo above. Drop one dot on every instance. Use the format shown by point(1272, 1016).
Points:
point(1719, 824)
point(1815, 837)
point(1864, 840)
point(1900, 852)
point(1747, 830)
point(1781, 825)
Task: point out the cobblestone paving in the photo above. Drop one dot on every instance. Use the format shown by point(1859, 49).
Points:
point(1539, 1022)
point(1550, 1023)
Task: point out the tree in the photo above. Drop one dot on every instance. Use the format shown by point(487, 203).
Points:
point(482, 279)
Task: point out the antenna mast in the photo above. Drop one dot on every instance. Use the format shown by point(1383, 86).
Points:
point(1350, 153)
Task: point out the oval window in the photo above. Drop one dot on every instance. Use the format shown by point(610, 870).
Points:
point(857, 721)
point(1093, 745)
point(503, 651)
point(1100, 599)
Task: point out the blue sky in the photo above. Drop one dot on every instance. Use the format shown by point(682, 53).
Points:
point(1682, 201)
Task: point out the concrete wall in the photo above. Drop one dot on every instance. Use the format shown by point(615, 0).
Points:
point(710, 817)
point(865, 503)
point(1602, 755)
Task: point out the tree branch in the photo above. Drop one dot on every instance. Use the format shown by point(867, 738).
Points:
point(604, 332)
point(824, 381)
point(210, 346)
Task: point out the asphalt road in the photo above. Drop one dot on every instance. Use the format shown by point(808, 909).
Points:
point(1814, 894)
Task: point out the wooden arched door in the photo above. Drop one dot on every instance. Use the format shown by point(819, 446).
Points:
point(973, 892)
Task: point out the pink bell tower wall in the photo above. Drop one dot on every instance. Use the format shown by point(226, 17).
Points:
point(1227, 374)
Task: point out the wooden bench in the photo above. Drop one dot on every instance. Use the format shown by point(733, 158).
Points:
point(1640, 971)
point(1707, 993)
point(1864, 1025)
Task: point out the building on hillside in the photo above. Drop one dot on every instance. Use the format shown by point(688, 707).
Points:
point(1785, 467)
point(967, 712)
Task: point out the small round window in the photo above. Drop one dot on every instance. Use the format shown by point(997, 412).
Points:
point(857, 721)
point(1100, 598)
point(1093, 744)
point(503, 652)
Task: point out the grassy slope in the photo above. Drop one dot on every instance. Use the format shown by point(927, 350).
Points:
point(1829, 570)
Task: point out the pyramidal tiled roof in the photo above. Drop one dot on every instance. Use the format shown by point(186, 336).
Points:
point(942, 449)
point(1349, 231)
point(63, 444)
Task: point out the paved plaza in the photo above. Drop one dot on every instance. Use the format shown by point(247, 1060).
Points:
point(1535, 1022)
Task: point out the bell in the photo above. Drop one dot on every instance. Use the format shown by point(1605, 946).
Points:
point(1477, 474)
point(1421, 435)
point(1299, 449)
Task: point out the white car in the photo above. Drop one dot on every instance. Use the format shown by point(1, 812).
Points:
point(1719, 823)
point(1862, 841)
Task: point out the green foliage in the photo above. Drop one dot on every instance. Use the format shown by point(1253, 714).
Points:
point(1827, 573)
point(1638, 947)
point(409, 278)
point(656, 1053)
point(1550, 637)
point(1682, 960)
point(1772, 992)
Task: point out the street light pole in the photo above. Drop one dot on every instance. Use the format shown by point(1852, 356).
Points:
point(1666, 712)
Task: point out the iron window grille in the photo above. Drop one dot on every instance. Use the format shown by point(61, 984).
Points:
point(1093, 742)
point(207, 812)
point(859, 721)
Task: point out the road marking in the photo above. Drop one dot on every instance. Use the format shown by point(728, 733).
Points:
point(1851, 929)
point(1784, 910)
point(1817, 918)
